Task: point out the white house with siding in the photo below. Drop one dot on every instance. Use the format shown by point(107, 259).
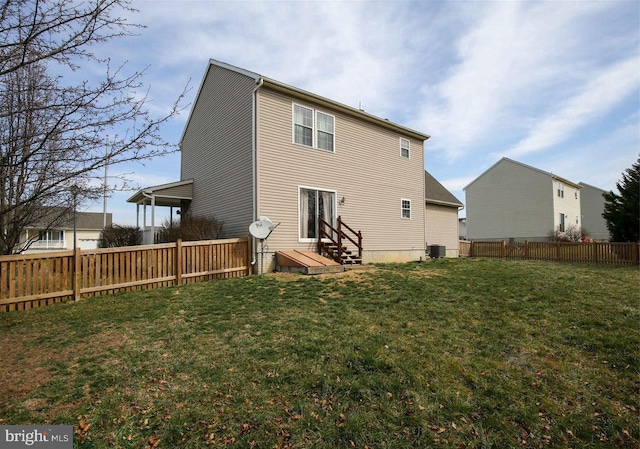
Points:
point(42, 237)
point(515, 200)
point(254, 146)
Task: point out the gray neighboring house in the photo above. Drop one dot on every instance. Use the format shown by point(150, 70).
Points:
point(462, 228)
point(515, 200)
point(441, 216)
point(592, 206)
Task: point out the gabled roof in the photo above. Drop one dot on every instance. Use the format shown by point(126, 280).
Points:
point(263, 81)
point(170, 194)
point(436, 193)
point(85, 221)
point(506, 159)
point(584, 184)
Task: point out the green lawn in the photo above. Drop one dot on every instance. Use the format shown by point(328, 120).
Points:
point(449, 353)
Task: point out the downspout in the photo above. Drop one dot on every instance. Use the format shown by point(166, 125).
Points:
point(254, 159)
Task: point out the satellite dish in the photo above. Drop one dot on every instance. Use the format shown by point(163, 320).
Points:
point(262, 228)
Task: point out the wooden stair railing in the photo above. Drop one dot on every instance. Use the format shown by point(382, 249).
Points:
point(336, 238)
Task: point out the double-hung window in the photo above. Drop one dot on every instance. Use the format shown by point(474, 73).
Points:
point(313, 128)
point(560, 190)
point(405, 146)
point(303, 125)
point(325, 131)
point(405, 208)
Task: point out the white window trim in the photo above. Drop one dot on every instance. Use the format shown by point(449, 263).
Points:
point(293, 125)
point(408, 148)
point(334, 210)
point(314, 128)
point(402, 209)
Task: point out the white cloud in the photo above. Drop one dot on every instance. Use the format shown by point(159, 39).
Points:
point(601, 161)
point(479, 77)
point(511, 54)
point(347, 51)
point(597, 97)
point(457, 184)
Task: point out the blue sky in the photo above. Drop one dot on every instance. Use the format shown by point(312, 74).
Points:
point(555, 85)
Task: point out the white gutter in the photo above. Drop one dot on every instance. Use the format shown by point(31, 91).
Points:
point(254, 159)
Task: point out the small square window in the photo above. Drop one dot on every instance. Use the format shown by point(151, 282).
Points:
point(406, 208)
point(405, 147)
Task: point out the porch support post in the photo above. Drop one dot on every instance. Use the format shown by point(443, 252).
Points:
point(153, 218)
point(144, 214)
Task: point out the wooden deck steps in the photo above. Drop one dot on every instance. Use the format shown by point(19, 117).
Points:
point(307, 262)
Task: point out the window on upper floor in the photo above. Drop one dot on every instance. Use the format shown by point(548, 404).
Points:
point(560, 190)
point(405, 208)
point(314, 129)
point(405, 147)
point(303, 125)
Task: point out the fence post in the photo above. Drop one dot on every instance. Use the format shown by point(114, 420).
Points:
point(503, 249)
point(179, 262)
point(249, 256)
point(594, 249)
point(77, 268)
point(526, 250)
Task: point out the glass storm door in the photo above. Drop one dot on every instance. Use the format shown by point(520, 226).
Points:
point(314, 202)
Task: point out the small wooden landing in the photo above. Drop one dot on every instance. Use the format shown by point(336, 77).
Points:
point(306, 262)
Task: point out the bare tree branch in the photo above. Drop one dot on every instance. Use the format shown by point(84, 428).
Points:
point(52, 135)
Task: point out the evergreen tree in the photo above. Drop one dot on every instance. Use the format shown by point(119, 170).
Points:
point(622, 212)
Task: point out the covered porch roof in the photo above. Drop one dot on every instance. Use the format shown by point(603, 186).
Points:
point(170, 195)
point(167, 195)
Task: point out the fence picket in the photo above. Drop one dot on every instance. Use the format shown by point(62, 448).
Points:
point(35, 280)
point(602, 253)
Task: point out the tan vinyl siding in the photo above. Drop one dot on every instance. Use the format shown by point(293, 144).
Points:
point(366, 169)
point(217, 150)
point(510, 201)
point(442, 227)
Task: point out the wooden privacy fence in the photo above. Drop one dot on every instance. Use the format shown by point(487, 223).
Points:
point(464, 248)
point(36, 280)
point(602, 253)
